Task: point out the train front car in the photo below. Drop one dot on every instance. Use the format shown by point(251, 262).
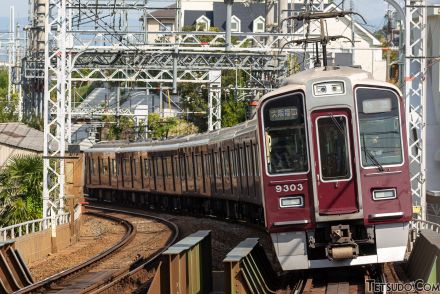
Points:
point(335, 175)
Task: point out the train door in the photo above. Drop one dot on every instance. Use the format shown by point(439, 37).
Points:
point(334, 167)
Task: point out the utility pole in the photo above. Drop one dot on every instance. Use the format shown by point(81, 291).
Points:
point(228, 23)
point(11, 52)
point(353, 58)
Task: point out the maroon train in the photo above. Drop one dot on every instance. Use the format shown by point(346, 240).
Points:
point(323, 166)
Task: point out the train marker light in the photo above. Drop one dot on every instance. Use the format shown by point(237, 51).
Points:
point(296, 201)
point(385, 194)
point(327, 89)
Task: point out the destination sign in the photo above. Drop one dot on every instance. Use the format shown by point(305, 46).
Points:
point(278, 114)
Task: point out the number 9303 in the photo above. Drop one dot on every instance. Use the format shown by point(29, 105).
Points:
point(289, 188)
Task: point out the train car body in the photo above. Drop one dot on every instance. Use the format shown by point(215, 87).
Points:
point(322, 165)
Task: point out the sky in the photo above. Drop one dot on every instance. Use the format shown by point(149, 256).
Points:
point(372, 10)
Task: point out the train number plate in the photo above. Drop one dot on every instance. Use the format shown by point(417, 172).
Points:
point(289, 188)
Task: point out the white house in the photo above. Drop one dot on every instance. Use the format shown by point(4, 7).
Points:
point(367, 53)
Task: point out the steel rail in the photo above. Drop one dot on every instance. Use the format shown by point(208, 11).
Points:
point(145, 263)
point(57, 278)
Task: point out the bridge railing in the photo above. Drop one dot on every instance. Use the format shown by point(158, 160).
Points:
point(419, 224)
point(18, 230)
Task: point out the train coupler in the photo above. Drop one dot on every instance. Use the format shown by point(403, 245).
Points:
point(342, 245)
point(342, 251)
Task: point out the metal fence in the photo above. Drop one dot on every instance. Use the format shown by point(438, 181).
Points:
point(417, 225)
point(18, 230)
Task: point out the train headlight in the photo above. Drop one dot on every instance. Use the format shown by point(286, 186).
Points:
point(293, 201)
point(384, 194)
point(327, 89)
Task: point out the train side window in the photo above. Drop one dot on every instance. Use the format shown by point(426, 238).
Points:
point(113, 166)
point(126, 166)
point(255, 154)
point(103, 167)
point(169, 167)
point(134, 166)
point(165, 166)
point(159, 166)
point(146, 168)
point(196, 162)
point(248, 161)
point(208, 164)
point(218, 164)
point(285, 139)
point(379, 127)
point(242, 162)
point(226, 163)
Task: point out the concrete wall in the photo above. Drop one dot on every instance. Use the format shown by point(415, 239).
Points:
point(6, 152)
point(39, 245)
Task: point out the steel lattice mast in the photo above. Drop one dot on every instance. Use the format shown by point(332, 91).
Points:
point(415, 93)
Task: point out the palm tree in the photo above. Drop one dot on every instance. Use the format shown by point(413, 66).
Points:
point(21, 189)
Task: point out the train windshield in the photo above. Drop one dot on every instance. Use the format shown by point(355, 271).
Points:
point(285, 135)
point(379, 127)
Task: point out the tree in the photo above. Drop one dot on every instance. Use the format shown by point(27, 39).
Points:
point(21, 190)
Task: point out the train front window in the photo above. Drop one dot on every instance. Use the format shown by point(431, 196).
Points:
point(285, 135)
point(379, 127)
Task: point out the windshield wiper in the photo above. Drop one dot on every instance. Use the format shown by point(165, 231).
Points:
point(371, 156)
point(366, 151)
point(338, 125)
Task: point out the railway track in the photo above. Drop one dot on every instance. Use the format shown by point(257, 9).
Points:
point(100, 273)
point(343, 280)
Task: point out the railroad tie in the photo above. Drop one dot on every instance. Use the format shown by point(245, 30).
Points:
point(338, 288)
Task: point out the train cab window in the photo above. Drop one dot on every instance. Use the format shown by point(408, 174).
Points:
point(379, 127)
point(285, 136)
point(333, 148)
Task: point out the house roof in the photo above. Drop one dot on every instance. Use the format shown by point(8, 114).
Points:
point(168, 12)
point(21, 136)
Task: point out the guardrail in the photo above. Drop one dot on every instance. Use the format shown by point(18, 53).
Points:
point(424, 261)
point(419, 224)
point(18, 230)
point(185, 267)
point(14, 273)
point(248, 270)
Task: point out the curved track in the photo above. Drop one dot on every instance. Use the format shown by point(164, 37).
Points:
point(78, 273)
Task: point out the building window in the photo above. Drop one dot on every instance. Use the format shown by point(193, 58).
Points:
point(166, 27)
point(258, 25)
point(203, 23)
point(235, 24)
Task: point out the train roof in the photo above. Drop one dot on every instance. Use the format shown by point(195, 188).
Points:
point(175, 143)
point(304, 78)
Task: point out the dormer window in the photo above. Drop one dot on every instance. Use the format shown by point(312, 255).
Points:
point(203, 23)
point(235, 24)
point(258, 25)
